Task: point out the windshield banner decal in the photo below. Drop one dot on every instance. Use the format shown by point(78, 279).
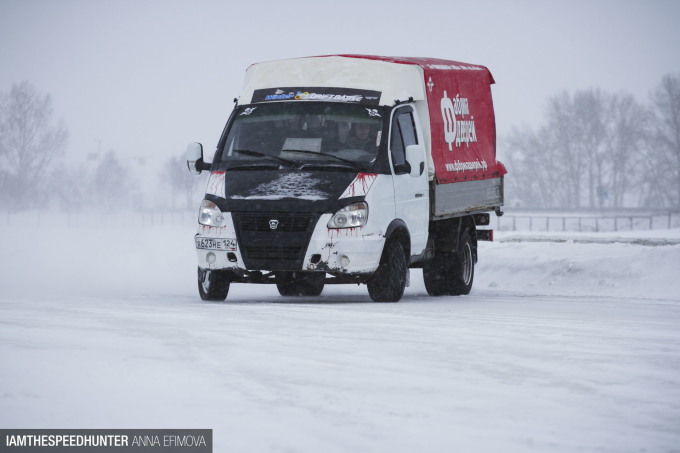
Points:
point(327, 94)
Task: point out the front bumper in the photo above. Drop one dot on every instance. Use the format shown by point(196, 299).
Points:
point(339, 251)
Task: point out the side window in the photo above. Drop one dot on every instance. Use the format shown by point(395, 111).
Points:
point(397, 145)
point(408, 129)
point(403, 135)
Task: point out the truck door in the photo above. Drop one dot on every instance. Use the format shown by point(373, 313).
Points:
point(411, 194)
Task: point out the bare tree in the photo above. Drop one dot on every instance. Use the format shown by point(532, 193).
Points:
point(665, 155)
point(113, 184)
point(625, 143)
point(591, 116)
point(29, 144)
point(562, 137)
point(181, 182)
point(68, 189)
point(533, 169)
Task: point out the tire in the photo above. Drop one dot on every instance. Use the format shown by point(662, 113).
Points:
point(437, 273)
point(213, 285)
point(451, 273)
point(296, 284)
point(463, 267)
point(389, 280)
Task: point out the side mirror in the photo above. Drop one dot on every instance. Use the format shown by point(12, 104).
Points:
point(415, 156)
point(194, 157)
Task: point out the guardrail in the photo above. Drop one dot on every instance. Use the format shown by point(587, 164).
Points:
point(511, 221)
point(585, 222)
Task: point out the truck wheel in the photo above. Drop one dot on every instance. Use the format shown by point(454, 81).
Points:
point(300, 284)
point(450, 273)
point(213, 285)
point(437, 272)
point(463, 267)
point(389, 280)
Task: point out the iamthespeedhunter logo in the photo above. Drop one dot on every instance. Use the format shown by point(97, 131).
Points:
point(92, 440)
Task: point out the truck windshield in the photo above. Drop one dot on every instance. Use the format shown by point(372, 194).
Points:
point(303, 134)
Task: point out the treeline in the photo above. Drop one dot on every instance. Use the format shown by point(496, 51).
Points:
point(599, 150)
point(34, 175)
point(594, 150)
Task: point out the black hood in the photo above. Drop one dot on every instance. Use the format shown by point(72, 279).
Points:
point(285, 190)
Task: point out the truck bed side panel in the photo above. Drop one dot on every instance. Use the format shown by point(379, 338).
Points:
point(451, 200)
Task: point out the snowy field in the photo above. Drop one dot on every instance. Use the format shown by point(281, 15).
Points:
point(567, 343)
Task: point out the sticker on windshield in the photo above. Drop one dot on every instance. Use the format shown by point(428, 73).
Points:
point(329, 94)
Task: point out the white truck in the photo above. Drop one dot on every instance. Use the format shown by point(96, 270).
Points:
point(351, 169)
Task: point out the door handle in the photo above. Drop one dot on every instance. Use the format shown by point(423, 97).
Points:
point(419, 195)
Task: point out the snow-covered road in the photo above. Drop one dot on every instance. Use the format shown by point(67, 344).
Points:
point(560, 347)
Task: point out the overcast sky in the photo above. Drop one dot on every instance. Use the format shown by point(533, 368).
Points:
point(145, 77)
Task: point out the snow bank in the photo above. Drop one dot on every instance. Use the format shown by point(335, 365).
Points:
point(161, 260)
point(634, 264)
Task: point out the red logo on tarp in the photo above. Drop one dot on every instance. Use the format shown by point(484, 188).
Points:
point(457, 130)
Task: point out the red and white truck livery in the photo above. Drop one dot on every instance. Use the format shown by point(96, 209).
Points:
point(351, 169)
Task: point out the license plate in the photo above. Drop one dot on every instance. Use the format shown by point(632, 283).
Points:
point(215, 243)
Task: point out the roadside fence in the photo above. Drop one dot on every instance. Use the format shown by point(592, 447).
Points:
point(591, 222)
point(512, 220)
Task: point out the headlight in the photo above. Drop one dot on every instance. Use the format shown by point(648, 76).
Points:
point(210, 214)
point(351, 216)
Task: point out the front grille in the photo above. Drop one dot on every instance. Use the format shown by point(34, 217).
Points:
point(286, 222)
point(280, 248)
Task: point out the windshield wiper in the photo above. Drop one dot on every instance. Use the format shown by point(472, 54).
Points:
point(258, 166)
point(339, 159)
point(248, 152)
